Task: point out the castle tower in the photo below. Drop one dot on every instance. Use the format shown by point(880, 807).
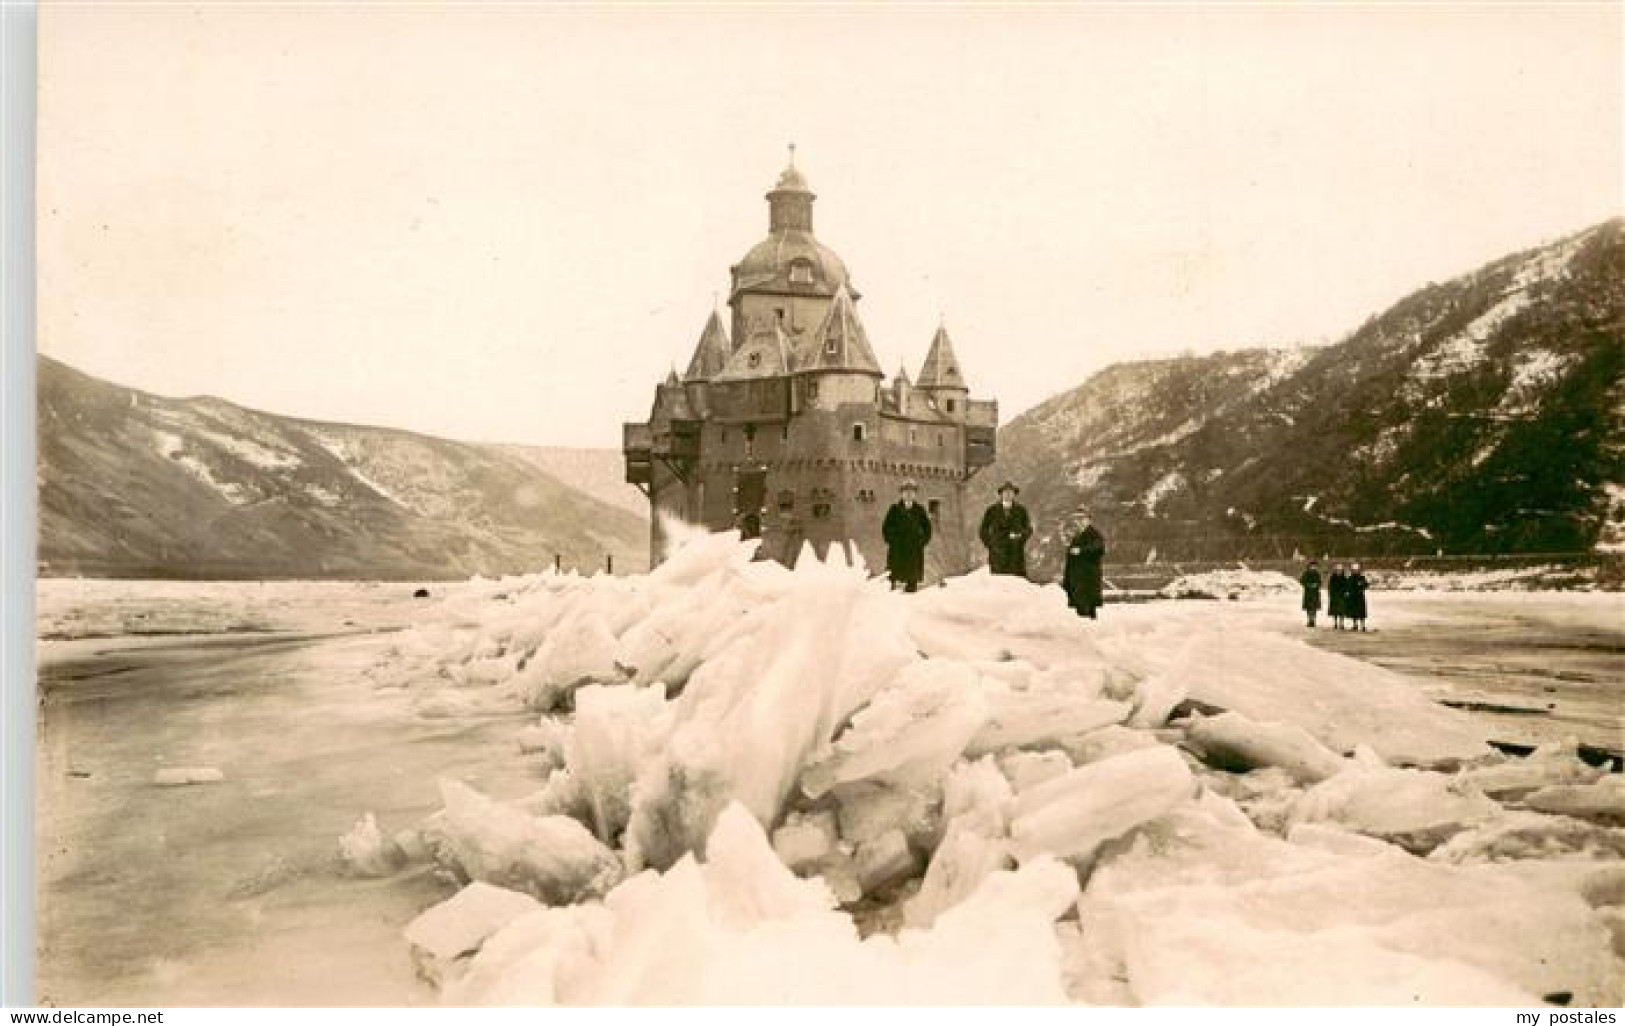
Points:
point(783, 427)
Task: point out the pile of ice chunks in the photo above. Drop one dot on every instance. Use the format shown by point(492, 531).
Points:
point(775, 785)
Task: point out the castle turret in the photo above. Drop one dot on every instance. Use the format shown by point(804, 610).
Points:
point(789, 277)
point(711, 355)
point(711, 352)
point(941, 379)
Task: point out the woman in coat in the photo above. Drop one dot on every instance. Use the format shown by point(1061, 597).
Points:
point(1337, 596)
point(1354, 596)
point(1311, 590)
point(1082, 578)
point(907, 531)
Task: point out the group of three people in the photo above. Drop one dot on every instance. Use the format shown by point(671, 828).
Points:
point(1006, 527)
point(1345, 591)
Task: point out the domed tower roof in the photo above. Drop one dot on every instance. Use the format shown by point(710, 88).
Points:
point(790, 260)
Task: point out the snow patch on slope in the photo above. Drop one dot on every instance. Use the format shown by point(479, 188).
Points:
point(173, 448)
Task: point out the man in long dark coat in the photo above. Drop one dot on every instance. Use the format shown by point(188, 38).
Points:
point(907, 531)
point(1082, 578)
point(1311, 590)
point(1337, 596)
point(1354, 597)
point(1005, 530)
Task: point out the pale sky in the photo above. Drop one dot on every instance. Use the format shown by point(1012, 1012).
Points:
point(506, 223)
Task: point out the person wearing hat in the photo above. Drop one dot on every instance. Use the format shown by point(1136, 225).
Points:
point(1082, 580)
point(1354, 588)
point(907, 531)
point(1310, 580)
point(1005, 530)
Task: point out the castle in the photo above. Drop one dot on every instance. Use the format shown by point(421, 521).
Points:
point(784, 426)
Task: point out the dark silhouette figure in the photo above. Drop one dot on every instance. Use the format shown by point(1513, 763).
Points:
point(1354, 590)
point(1005, 530)
point(1337, 593)
point(1311, 590)
point(1082, 579)
point(907, 531)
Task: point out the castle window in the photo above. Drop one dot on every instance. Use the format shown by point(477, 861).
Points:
point(913, 436)
point(933, 507)
point(950, 406)
point(787, 501)
point(784, 432)
point(939, 439)
point(812, 389)
point(857, 432)
point(820, 503)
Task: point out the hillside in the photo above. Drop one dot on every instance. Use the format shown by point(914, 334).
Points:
point(601, 473)
point(132, 484)
point(1481, 415)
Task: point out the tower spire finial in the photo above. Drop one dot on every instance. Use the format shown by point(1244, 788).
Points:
point(792, 154)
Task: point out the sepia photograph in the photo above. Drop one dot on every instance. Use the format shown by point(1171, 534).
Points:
point(707, 504)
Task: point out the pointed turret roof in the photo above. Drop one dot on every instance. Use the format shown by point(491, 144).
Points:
point(840, 343)
point(671, 403)
point(767, 353)
point(712, 352)
point(941, 368)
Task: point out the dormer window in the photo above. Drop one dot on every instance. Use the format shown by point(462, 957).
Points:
point(754, 360)
point(832, 346)
point(801, 273)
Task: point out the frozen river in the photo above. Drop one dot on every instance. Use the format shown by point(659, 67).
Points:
point(233, 893)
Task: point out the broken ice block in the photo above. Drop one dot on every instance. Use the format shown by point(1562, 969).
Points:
point(805, 840)
point(973, 847)
point(1341, 701)
point(553, 857)
point(1024, 769)
point(885, 862)
point(1017, 719)
point(909, 733)
point(1234, 742)
point(1546, 766)
point(1072, 815)
point(1112, 739)
point(866, 810)
point(459, 925)
point(1603, 800)
point(617, 729)
point(578, 651)
point(367, 852)
point(1532, 835)
point(1415, 809)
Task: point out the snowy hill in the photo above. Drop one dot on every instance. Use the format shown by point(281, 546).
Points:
point(132, 484)
point(1482, 415)
point(601, 473)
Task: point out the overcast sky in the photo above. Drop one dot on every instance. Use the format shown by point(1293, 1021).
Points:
point(506, 223)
